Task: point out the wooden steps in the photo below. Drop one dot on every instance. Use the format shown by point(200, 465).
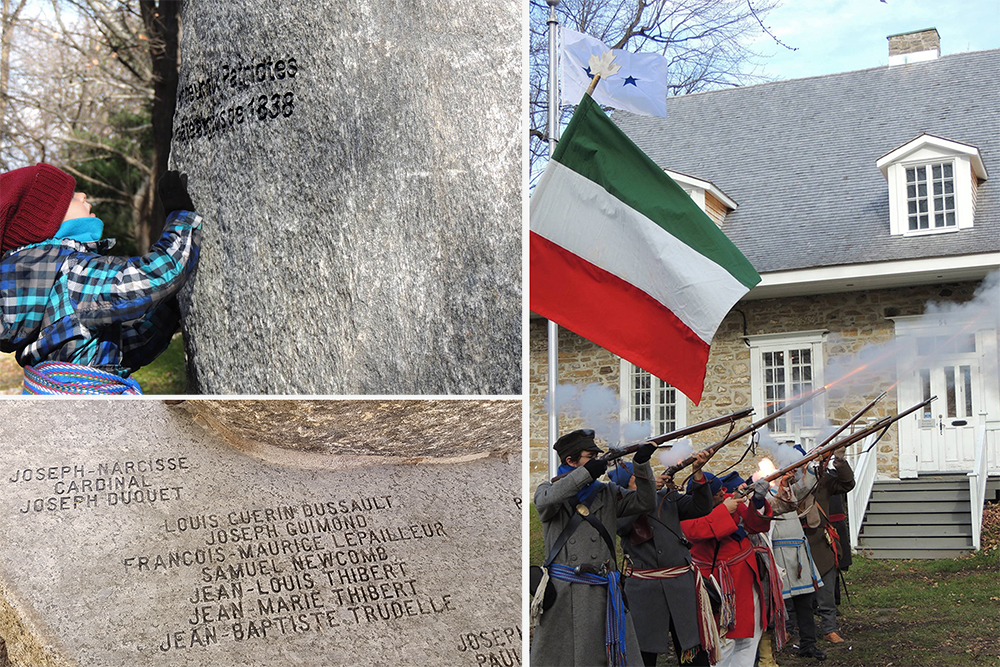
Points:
point(928, 517)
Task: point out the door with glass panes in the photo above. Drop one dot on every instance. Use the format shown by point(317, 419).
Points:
point(948, 368)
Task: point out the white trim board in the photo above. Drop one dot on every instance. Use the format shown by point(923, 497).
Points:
point(875, 275)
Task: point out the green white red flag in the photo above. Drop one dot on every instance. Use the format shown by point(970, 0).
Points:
point(622, 256)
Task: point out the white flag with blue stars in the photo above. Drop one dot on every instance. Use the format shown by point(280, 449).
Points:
point(639, 86)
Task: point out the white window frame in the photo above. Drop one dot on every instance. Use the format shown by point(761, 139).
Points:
point(924, 151)
point(762, 343)
point(626, 405)
point(931, 197)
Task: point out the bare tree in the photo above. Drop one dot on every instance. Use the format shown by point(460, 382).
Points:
point(94, 75)
point(11, 11)
point(143, 36)
point(707, 44)
point(162, 22)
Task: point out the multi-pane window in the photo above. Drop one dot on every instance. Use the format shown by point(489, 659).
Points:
point(650, 399)
point(787, 375)
point(930, 196)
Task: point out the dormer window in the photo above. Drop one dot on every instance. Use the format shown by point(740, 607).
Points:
point(930, 196)
point(932, 185)
point(710, 199)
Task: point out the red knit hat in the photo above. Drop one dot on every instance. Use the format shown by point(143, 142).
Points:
point(33, 203)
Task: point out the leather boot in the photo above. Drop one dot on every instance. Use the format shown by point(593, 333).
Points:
point(812, 652)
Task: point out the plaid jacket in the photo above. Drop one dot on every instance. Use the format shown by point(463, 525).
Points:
point(62, 301)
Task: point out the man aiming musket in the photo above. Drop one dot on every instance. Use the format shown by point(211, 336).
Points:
point(810, 492)
point(579, 516)
point(800, 578)
point(666, 589)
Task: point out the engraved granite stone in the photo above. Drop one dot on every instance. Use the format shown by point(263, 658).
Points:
point(357, 165)
point(138, 533)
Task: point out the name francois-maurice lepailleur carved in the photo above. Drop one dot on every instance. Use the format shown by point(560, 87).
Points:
point(258, 574)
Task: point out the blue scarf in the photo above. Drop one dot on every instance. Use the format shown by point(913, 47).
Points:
point(586, 493)
point(84, 230)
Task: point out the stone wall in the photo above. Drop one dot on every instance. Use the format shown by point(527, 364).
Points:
point(854, 320)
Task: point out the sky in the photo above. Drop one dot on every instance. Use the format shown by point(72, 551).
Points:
point(845, 35)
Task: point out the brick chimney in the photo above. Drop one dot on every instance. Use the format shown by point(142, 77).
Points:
point(914, 47)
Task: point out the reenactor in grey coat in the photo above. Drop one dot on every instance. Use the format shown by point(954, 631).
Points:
point(661, 591)
point(587, 624)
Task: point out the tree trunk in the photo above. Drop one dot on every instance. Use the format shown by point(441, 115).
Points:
point(8, 19)
point(162, 25)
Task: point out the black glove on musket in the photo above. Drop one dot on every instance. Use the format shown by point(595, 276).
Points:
point(596, 467)
point(173, 192)
point(644, 453)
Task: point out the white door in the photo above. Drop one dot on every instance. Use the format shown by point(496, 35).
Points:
point(946, 428)
point(958, 365)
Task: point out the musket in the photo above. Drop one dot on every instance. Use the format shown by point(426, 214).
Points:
point(828, 445)
point(855, 417)
point(672, 435)
point(732, 437)
point(659, 440)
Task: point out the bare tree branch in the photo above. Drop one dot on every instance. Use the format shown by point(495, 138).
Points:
point(708, 44)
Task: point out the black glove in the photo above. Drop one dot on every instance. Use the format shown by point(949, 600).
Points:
point(644, 453)
point(173, 192)
point(596, 467)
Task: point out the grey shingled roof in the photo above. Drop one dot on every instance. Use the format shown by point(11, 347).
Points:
point(799, 157)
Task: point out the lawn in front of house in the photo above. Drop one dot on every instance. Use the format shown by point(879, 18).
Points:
point(910, 613)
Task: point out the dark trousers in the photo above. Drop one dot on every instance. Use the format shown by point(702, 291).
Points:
point(800, 612)
point(700, 658)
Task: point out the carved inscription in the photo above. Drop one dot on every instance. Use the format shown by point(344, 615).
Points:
point(496, 647)
point(259, 574)
point(81, 486)
point(242, 91)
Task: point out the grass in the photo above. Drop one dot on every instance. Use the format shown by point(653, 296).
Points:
point(163, 376)
point(11, 376)
point(166, 374)
point(910, 613)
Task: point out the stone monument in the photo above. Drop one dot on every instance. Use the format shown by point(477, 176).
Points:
point(358, 166)
point(260, 533)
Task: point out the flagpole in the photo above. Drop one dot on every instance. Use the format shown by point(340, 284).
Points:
point(553, 329)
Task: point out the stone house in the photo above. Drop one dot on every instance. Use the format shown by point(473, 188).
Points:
point(859, 197)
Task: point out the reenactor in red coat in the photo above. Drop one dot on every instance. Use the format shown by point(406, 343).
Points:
point(720, 548)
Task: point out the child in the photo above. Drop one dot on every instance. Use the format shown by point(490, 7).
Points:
point(80, 322)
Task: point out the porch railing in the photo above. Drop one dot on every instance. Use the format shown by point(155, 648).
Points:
point(977, 483)
point(865, 464)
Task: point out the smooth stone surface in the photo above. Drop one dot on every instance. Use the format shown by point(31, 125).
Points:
point(135, 534)
point(366, 432)
point(358, 168)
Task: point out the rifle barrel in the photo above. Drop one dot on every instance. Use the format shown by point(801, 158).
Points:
point(732, 437)
point(827, 446)
point(680, 433)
